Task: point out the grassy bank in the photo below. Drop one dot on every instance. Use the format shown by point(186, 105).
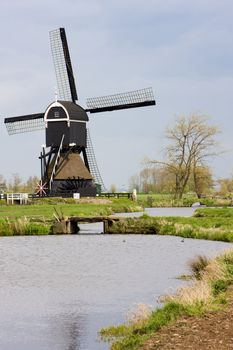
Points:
point(212, 224)
point(208, 291)
point(167, 200)
point(23, 227)
point(36, 218)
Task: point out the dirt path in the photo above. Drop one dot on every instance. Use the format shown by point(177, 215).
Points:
point(214, 331)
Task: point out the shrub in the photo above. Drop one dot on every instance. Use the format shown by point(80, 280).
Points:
point(149, 201)
point(198, 265)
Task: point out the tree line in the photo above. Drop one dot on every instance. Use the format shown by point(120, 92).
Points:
point(191, 144)
point(16, 184)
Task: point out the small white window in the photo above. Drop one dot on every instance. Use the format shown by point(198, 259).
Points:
point(56, 114)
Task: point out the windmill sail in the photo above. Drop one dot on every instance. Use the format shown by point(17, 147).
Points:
point(93, 163)
point(24, 123)
point(80, 171)
point(132, 99)
point(62, 64)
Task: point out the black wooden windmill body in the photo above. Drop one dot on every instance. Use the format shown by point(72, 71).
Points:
point(68, 163)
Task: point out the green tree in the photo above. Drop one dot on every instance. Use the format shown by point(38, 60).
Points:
point(202, 180)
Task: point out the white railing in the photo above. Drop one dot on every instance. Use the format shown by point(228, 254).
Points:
point(21, 198)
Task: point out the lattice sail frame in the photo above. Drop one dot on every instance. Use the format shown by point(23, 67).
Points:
point(62, 64)
point(94, 169)
point(126, 98)
point(15, 126)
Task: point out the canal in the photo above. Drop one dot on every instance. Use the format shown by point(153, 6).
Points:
point(58, 291)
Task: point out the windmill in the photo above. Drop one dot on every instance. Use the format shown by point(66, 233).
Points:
point(68, 163)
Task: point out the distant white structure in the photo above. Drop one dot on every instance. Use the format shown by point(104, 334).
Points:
point(76, 195)
point(134, 194)
point(17, 198)
point(196, 204)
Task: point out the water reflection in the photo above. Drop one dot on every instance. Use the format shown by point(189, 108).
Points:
point(73, 340)
point(69, 328)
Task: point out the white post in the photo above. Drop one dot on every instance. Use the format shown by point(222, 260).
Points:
point(134, 195)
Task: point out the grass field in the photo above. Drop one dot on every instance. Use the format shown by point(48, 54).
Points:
point(36, 218)
point(44, 209)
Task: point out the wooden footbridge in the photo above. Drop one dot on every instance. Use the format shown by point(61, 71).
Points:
point(70, 225)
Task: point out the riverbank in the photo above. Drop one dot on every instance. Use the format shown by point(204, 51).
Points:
point(209, 223)
point(167, 200)
point(193, 318)
point(37, 218)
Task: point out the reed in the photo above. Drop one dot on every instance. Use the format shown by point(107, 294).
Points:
point(198, 265)
point(21, 227)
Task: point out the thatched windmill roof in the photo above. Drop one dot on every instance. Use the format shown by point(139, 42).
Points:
point(71, 166)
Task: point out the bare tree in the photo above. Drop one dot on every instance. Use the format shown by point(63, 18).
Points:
point(134, 183)
point(192, 142)
point(3, 185)
point(16, 183)
point(31, 184)
point(113, 188)
point(148, 179)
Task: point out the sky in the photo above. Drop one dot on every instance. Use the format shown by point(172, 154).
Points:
point(182, 49)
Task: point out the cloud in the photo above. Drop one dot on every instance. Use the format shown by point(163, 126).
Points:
point(181, 48)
